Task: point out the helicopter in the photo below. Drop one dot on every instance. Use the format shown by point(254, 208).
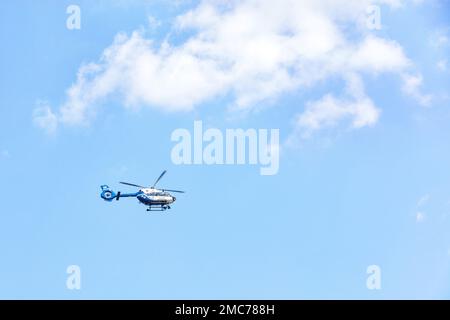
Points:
point(155, 199)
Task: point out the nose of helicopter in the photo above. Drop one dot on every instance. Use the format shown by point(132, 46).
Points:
point(173, 199)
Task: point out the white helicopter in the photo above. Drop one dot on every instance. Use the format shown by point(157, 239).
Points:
point(155, 199)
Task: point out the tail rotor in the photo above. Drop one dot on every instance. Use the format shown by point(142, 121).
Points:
point(107, 194)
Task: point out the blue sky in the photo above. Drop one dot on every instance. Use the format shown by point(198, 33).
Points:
point(363, 179)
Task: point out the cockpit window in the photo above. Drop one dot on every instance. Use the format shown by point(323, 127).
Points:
point(161, 194)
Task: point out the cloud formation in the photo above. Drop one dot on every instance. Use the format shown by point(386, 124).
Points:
point(329, 110)
point(412, 87)
point(420, 217)
point(420, 214)
point(250, 51)
point(44, 118)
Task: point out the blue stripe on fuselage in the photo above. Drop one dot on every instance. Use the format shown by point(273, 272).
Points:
point(147, 201)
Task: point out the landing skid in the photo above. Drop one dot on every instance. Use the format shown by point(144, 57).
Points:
point(158, 208)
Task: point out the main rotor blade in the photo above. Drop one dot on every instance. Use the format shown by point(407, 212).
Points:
point(163, 173)
point(131, 184)
point(179, 191)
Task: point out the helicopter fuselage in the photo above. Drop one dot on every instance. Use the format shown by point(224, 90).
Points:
point(150, 196)
point(155, 199)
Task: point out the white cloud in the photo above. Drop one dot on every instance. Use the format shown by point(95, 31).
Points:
point(420, 217)
point(379, 55)
point(250, 50)
point(329, 110)
point(412, 86)
point(442, 65)
point(44, 118)
point(440, 38)
point(153, 23)
point(423, 200)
